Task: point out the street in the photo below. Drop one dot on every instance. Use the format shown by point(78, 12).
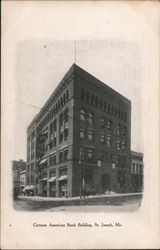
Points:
point(119, 203)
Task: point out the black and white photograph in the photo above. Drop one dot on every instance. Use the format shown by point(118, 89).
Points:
point(80, 137)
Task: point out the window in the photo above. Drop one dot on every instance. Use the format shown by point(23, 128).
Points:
point(92, 99)
point(82, 115)
point(102, 138)
point(54, 141)
point(52, 173)
point(61, 121)
point(102, 156)
point(118, 144)
point(119, 113)
point(104, 106)
point(102, 121)
point(81, 154)
point(61, 101)
point(123, 145)
point(65, 134)
point(87, 97)
point(108, 141)
point(67, 95)
point(60, 156)
point(125, 116)
point(64, 98)
point(90, 135)
point(82, 94)
point(101, 104)
point(133, 168)
point(141, 168)
point(82, 133)
point(55, 125)
point(59, 105)
point(111, 157)
point(112, 110)
point(109, 108)
point(32, 179)
point(109, 123)
point(61, 137)
point(97, 102)
point(66, 154)
point(52, 160)
point(63, 171)
point(118, 129)
point(90, 118)
point(123, 130)
point(115, 112)
point(51, 131)
point(107, 158)
point(90, 154)
point(66, 116)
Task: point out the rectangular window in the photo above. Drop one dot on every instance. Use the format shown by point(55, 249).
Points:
point(52, 173)
point(118, 130)
point(81, 154)
point(109, 123)
point(102, 122)
point(66, 154)
point(118, 144)
point(102, 138)
point(65, 134)
point(108, 141)
point(102, 156)
point(61, 137)
point(123, 130)
point(55, 141)
point(123, 145)
point(90, 154)
point(82, 133)
point(90, 135)
point(61, 156)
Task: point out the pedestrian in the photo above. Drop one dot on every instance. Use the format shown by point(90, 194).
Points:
point(65, 190)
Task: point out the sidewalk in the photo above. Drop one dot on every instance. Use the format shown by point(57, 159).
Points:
point(112, 194)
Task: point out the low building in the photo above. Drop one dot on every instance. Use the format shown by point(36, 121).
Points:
point(137, 171)
point(19, 176)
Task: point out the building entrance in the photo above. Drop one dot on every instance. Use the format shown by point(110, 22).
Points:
point(105, 183)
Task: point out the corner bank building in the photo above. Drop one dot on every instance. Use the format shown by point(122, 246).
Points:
point(81, 137)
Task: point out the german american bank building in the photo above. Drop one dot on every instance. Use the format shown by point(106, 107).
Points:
point(81, 137)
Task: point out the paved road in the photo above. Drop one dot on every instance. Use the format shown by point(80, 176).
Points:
point(102, 204)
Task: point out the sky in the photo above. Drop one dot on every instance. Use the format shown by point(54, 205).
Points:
point(40, 65)
point(109, 45)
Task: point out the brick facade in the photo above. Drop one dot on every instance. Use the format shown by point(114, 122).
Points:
point(81, 137)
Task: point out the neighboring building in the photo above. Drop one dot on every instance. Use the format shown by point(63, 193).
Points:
point(19, 176)
point(137, 171)
point(81, 137)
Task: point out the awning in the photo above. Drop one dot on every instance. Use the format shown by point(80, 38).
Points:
point(53, 178)
point(43, 161)
point(44, 179)
point(63, 177)
point(31, 187)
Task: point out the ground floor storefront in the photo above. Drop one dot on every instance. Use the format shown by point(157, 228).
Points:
point(72, 180)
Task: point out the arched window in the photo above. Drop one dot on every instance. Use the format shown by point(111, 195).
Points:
point(87, 97)
point(97, 102)
point(92, 99)
point(82, 115)
point(82, 94)
point(90, 118)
